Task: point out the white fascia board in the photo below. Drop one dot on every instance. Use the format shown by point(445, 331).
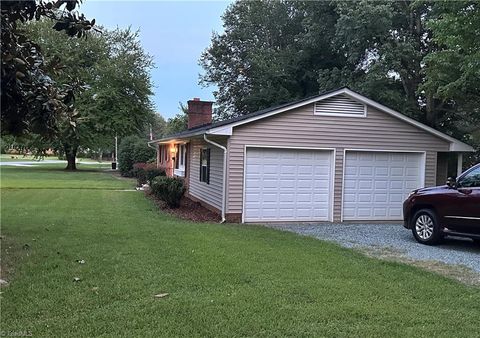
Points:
point(460, 147)
point(223, 130)
point(176, 139)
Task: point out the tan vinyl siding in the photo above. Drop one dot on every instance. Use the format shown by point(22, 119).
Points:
point(209, 193)
point(301, 128)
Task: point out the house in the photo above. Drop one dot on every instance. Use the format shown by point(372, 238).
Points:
point(338, 156)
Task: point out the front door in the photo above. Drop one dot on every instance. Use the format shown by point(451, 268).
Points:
point(180, 160)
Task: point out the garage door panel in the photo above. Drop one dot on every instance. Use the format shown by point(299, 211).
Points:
point(376, 184)
point(380, 212)
point(321, 197)
point(287, 184)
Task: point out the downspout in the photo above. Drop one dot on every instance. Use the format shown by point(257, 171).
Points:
point(224, 193)
point(149, 144)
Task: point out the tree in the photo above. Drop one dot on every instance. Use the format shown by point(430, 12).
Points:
point(269, 54)
point(133, 149)
point(30, 100)
point(157, 127)
point(179, 122)
point(452, 72)
point(111, 71)
point(385, 55)
point(418, 57)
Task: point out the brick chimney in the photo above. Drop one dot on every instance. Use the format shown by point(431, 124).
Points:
point(199, 113)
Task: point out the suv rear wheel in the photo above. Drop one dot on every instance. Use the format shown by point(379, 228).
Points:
point(425, 227)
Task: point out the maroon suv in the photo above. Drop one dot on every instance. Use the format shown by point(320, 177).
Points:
point(451, 209)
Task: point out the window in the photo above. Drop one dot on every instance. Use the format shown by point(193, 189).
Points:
point(205, 165)
point(182, 155)
point(471, 179)
point(165, 153)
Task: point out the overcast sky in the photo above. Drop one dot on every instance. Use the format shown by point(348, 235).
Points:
point(175, 33)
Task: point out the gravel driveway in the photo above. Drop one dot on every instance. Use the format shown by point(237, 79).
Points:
point(393, 238)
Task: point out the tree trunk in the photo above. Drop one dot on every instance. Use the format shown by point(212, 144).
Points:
point(71, 155)
point(431, 113)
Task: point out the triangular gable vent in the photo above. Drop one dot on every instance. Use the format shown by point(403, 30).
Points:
point(340, 105)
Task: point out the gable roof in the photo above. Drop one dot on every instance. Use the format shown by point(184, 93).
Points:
point(226, 127)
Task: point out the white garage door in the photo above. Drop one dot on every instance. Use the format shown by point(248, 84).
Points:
point(287, 185)
point(377, 183)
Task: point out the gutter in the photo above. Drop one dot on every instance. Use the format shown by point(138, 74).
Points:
point(224, 192)
point(149, 144)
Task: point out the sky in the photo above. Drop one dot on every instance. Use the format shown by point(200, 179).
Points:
point(175, 33)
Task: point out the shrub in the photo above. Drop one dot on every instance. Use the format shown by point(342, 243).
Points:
point(125, 155)
point(151, 171)
point(168, 189)
point(142, 152)
point(138, 171)
point(146, 172)
point(133, 150)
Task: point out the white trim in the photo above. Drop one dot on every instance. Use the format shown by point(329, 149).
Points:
point(244, 179)
point(422, 168)
point(224, 174)
point(459, 164)
point(455, 145)
point(332, 179)
point(179, 172)
point(225, 131)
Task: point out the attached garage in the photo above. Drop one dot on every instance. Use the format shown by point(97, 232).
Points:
point(376, 183)
point(337, 156)
point(288, 185)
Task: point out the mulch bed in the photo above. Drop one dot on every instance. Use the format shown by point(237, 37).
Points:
point(188, 210)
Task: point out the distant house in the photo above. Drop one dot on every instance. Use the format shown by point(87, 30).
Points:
point(338, 156)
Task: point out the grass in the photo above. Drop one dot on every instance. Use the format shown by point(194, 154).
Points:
point(222, 280)
point(53, 176)
point(20, 158)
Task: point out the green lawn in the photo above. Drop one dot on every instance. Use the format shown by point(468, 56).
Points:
point(21, 158)
point(222, 280)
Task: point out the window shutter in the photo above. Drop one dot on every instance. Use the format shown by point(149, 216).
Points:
point(200, 176)
point(208, 166)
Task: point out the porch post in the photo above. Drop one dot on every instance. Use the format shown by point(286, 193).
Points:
point(459, 164)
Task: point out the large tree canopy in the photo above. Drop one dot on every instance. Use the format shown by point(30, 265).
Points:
point(452, 72)
point(31, 101)
point(111, 72)
point(260, 60)
point(420, 58)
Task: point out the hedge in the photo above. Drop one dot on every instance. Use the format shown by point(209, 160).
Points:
point(146, 172)
point(168, 189)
